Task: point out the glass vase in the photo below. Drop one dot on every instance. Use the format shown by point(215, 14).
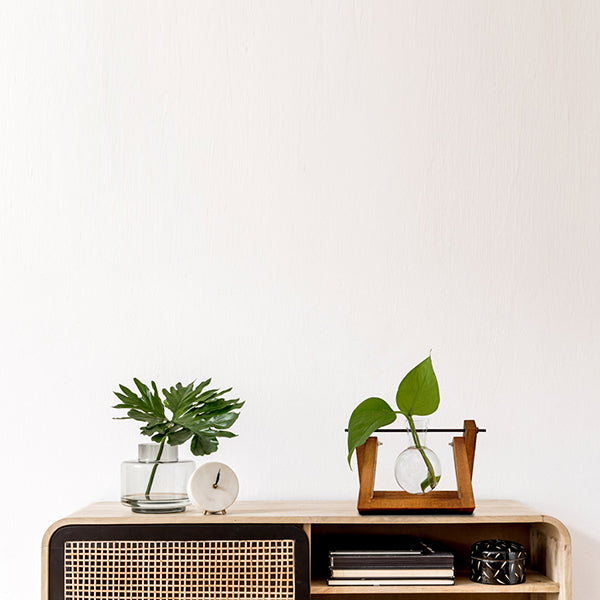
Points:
point(417, 469)
point(157, 481)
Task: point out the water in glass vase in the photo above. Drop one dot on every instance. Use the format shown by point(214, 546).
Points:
point(417, 469)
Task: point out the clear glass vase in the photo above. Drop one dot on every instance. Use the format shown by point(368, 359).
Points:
point(157, 481)
point(417, 469)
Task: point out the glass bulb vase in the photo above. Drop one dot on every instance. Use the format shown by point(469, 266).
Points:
point(157, 481)
point(417, 469)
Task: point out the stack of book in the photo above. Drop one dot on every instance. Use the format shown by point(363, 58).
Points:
point(413, 562)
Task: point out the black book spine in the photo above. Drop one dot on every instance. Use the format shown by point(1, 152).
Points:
point(406, 563)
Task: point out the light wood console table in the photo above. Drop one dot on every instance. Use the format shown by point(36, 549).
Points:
point(547, 539)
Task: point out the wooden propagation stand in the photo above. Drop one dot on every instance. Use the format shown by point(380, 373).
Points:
point(316, 525)
point(460, 501)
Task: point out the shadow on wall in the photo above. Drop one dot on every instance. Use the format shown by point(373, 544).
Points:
point(585, 550)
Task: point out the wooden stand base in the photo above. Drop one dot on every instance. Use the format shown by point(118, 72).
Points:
point(460, 501)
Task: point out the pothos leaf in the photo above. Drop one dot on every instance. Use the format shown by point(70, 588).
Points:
point(418, 393)
point(369, 415)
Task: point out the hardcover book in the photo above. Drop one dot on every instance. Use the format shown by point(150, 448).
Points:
point(427, 581)
point(390, 573)
point(401, 553)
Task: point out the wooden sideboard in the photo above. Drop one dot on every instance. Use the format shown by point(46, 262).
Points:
point(547, 539)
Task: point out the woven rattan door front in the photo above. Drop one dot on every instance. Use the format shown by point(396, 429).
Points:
point(179, 562)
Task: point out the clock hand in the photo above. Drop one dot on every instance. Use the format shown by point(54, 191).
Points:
point(216, 483)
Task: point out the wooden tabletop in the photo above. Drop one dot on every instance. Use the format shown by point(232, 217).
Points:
point(298, 511)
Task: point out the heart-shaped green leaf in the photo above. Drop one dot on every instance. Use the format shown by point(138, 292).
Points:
point(418, 393)
point(369, 415)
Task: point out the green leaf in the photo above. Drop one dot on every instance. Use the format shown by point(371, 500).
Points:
point(221, 407)
point(223, 421)
point(194, 424)
point(211, 396)
point(202, 445)
point(142, 387)
point(418, 393)
point(129, 401)
point(150, 430)
point(146, 402)
point(180, 399)
point(200, 415)
point(150, 404)
point(223, 392)
point(225, 434)
point(129, 394)
point(369, 415)
point(139, 415)
point(175, 438)
point(159, 408)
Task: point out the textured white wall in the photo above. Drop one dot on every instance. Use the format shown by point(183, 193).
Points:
point(299, 199)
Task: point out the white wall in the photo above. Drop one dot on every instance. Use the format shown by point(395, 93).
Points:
point(299, 199)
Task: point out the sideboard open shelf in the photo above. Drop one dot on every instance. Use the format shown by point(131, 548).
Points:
point(547, 539)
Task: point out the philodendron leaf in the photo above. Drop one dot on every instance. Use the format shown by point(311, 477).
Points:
point(204, 444)
point(179, 437)
point(369, 415)
point(225, 434)
point(199, 415)
point(418, 393)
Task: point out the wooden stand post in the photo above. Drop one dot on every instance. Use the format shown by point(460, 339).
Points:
point(460, 501)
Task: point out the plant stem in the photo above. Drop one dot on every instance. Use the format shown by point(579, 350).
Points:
point(415, 436)
point(151, 480)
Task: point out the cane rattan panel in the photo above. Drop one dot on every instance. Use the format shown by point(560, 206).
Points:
point(179, 570)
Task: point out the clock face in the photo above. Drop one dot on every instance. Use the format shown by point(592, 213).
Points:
point(213, 487)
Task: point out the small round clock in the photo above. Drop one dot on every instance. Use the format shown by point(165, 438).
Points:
point(213, 487)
